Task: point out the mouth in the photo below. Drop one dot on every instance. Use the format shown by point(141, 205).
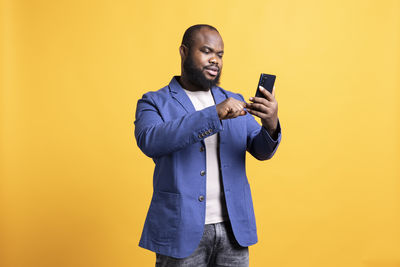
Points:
point(212, 71)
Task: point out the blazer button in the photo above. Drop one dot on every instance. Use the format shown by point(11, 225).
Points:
point(202, 173)
point(201, 198)
point(202, 149)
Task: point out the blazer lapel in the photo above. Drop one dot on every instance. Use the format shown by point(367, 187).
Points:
point(218, 95)
point(179, 95)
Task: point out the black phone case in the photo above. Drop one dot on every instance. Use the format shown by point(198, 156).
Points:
point(267, 81)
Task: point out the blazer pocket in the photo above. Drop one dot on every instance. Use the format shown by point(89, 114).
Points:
point(164, 216)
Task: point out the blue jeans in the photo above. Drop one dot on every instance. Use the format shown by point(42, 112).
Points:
point(217, 248)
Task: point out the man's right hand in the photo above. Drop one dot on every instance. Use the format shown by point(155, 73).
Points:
point(230, 108)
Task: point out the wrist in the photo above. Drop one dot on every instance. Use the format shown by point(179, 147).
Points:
point(272, 128)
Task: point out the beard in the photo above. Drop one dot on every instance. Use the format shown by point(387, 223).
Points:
point(196, 76)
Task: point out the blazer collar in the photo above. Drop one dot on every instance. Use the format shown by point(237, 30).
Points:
point(180, 95)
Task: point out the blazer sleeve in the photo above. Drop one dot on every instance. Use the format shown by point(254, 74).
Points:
point(156, 137)
point(259, 143)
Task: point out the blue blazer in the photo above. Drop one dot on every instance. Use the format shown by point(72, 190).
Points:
point(170, 131)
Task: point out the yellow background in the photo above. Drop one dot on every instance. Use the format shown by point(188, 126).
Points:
point(74, 187)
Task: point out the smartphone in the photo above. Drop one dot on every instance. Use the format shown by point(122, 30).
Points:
point(267, 81)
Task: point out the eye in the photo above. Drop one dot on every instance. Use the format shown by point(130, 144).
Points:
point(220, 55)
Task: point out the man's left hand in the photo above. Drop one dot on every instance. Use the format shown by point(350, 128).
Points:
point(266, 109)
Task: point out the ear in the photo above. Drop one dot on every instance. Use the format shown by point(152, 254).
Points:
point(183, 50)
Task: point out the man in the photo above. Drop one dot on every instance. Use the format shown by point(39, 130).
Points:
point(201, 212)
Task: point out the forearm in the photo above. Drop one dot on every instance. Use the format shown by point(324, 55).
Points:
point(157, 138)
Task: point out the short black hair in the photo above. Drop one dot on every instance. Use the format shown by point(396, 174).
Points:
point(187, 39)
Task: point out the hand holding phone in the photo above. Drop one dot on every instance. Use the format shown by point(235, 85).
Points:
point(267, 81)
point(265, 106)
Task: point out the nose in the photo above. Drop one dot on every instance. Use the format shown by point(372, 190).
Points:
point(213, 60)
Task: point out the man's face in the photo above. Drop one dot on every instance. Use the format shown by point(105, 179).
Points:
point(203, 63)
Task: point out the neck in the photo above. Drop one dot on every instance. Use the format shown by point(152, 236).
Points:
point(185, 83)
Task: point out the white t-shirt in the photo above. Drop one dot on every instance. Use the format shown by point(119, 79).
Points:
point(215, 201)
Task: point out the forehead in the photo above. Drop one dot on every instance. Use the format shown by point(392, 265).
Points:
point(208, 37)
